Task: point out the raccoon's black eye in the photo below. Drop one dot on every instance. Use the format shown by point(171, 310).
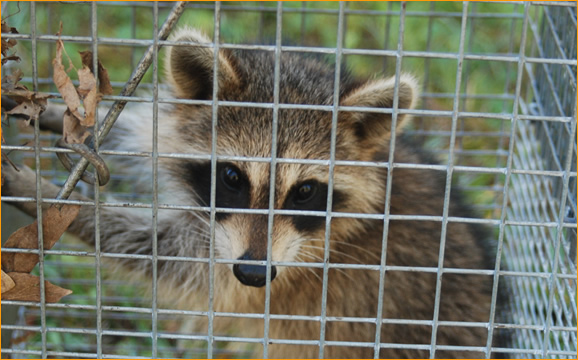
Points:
point(305, 193)
point(231, 177)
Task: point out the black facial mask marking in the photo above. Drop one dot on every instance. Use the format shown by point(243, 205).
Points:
point(233, 191)
point(310, 195)
point(233, 186)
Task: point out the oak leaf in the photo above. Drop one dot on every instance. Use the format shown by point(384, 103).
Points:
point(27, 288)
point(7, 282)
point(54, 223)
point(64, 84)
point(104, 86)
point(87, 90)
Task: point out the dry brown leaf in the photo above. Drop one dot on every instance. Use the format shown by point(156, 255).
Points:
point(11, 57)
point(27, 288)
point(54, 224)
point(104, 86)
point(87, 82)
point(72, 131)
point(64, 84)
point(75, 124)
point(29, 104)
point(23, 95)
point(28, 108)
point(7, 29)
point(6, 45)
point(7, 282)
point(10, 82)
point(86, 58)
point(87, 90)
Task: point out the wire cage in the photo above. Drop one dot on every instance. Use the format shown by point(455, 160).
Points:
point(497, 108)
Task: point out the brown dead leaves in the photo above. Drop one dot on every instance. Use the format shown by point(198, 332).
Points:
point(75, 123)
point(81, 101)
point(104, 80)
point(29, 104)
point(7, 282)
point(54, 223)
point(27, 288)
point(17, 283)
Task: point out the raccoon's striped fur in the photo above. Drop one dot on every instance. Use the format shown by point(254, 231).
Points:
point(248, 76)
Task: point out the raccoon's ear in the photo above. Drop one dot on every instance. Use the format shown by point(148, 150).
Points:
point(374, 129)
point(190, 67)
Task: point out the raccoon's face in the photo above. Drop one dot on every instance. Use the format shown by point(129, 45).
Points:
point(245, 131)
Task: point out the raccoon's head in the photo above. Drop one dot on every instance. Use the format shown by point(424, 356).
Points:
point(245, 130)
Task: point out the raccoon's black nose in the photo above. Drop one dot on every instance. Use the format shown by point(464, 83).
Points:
point(252, 275)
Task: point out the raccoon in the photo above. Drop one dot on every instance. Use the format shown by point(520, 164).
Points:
point(297, 240)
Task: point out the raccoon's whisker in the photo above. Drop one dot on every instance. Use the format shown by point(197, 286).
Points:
point(306, 270)
point(320, 259)
point(337, 252)
point(203, 228)
point(356, 247)
point(199, 234)
point(311, 256)
point(313, 271)
point(201, 216)
point(195, 231)
point(343, 271)
point(190, 227)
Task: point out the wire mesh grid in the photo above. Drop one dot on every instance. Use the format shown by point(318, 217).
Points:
point(505, 125)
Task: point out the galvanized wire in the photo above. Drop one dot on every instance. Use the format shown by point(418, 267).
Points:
point(505, 197)
point(389, 184)
point(155, 174)
point(213, 196)
point(39, 215)
point(331, 172)
point(448, 188)
point(272, 175)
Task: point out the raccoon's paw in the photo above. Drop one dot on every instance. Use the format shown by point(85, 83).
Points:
point(20, 181)
point(17, 180)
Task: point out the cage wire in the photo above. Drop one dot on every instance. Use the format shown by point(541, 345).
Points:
point(513, 151)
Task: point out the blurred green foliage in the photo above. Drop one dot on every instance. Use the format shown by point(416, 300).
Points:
point(255, 22)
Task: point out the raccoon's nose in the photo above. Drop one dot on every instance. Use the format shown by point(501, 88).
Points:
point(252, 275)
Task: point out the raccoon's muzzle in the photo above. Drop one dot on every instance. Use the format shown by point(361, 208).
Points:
point(252, 275)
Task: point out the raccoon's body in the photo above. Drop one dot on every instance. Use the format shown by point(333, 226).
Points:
point(245, 131)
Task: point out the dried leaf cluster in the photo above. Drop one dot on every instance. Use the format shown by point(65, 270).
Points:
point(75, 124)
point(29, 104)
point(7, 45)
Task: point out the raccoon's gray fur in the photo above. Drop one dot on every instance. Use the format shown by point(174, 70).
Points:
point(248, 76)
